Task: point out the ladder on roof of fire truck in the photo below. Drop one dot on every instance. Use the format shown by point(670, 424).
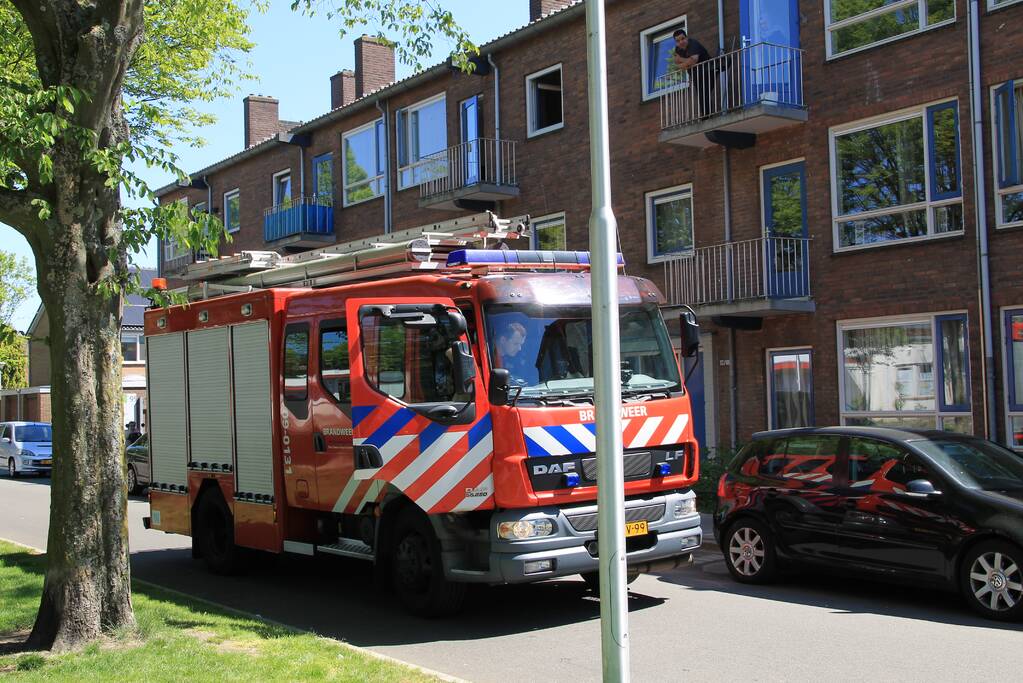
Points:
point(416, 249)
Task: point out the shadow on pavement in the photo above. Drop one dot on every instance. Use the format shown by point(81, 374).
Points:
point(339, 598)
point(840, 593)
point(30, 479)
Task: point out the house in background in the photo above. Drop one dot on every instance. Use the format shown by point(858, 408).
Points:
point(33, 402)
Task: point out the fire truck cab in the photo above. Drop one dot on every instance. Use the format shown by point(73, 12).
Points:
point(417, 403)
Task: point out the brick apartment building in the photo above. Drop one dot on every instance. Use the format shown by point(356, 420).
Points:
point(811, 191)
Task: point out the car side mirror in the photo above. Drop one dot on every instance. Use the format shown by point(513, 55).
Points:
point(497, 392)
point(463, 367)
point(690, 331)
point(922, 487)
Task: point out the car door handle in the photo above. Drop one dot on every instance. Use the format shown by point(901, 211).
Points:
point(319, 443)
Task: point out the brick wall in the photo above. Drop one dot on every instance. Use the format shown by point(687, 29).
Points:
point(553, 170)
point(538, 8)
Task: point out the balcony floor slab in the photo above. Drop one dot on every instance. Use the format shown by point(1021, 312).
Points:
point(755, 308)
point(479, 192)
point(760, 118)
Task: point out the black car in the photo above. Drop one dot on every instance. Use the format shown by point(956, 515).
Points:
point(139, 470)
point(925, 506)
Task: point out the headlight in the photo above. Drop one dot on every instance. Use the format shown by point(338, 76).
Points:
point(25, 453)
point(685, 507)
point(525, 528)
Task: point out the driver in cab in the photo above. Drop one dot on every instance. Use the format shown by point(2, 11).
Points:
point(510, 356)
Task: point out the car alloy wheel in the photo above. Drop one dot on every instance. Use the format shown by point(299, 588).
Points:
point(996, 581)
point(746, 551)
point(12, 469)
point(133, 481)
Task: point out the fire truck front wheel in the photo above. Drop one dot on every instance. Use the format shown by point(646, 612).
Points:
point(215, 534)
point(417, 573)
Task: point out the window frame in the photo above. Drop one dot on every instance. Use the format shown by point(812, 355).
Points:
point(650, 199)
point(274, 185)
point(994, 5)
point(939, 412)
point(329, 156)
point(139, 346)
point(647, 37)
point(289, 329)
point(531, 106)
point(830, 26)
point(1013, 405)
point(381, 174)
point(929, 204)
point(172, 251)
point(226, 199)
point(327, 327)
point(770, 353)
point(537, 225)
point(998, 185)
point(403, 138)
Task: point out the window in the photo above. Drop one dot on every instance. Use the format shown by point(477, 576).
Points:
point(334, 371)
point(790, 386)
point(8, 431)
point(296, 362)
point(1013, 334)
point(881, 467)
point(133, 347)
point(1008, 157)
point(172, 249)
point(323, 179)
point(365, 164)
point(232, 211)
point(549, 233)
point(995, 4)
point(858, 24)
point(908, 373)
point(898, 179)
point(197, 210)
point(544, 101)
point(410, 364)
point(807, 461)
point(656, 46)
point(282, 188)
point(669, 222)
point(422, 130)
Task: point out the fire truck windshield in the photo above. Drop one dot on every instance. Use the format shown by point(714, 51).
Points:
point(548, 349)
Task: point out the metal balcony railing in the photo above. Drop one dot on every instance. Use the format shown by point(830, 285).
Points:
point(763, 73)
point(763, 268)
point(483, 161)
point(306, 215)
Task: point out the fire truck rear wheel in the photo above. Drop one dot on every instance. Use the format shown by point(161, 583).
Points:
point(215, 534)
point(417, 573)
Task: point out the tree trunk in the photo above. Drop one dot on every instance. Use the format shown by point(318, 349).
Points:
point(87, 589)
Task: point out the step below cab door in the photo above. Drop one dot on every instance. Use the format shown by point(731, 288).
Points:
point(420, 418)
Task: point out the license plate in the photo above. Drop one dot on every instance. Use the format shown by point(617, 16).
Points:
point(636, 528)
point(45, 462)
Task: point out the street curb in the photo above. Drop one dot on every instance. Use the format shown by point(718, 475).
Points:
point(273, 622)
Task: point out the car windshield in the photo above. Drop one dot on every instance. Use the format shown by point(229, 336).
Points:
point(548, 349)
point(33, 433)
point(976, 463)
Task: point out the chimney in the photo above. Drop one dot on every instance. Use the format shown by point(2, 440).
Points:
point(538, 8)
point(262, 119)
point(342, 88)
point(374, 65)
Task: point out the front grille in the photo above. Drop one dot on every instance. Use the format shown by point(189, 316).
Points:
point(636, 466)
point(588, 522)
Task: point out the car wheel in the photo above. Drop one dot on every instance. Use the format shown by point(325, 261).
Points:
point(12, 468)
point(992, 580)
point(133, 482)
point(592, 580)
point(749, 552)
point(216, 535)
point(417, 573)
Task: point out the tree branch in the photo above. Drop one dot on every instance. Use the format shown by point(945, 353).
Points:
point(17, 211)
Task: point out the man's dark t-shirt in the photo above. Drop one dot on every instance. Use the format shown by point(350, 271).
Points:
point(694, 49)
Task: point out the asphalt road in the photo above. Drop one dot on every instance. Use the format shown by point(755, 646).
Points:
point(693, 622)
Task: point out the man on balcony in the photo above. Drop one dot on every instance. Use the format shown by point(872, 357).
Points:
point(690, 55)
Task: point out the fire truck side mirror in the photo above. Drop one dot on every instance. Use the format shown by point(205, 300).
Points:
point(456, 326)
point(463, 367)
point(498, 389)
point(690, 330)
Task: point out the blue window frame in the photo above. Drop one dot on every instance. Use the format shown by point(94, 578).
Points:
point(943, 144)
point(1008, 135)
point(953, 363)
point(323, 177)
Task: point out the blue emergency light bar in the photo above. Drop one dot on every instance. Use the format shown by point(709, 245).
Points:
point(520, 257)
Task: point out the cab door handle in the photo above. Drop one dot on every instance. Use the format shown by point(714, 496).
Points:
point(319, 443)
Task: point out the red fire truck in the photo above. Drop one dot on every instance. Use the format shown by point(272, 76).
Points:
point(417, 402)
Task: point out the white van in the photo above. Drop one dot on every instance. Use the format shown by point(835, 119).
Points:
point(26, 448)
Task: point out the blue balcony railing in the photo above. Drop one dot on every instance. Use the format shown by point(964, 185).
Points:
point(304, 216)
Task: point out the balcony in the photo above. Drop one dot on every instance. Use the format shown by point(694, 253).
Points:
point(731, 99)
point(304, 222)
point(752, 278)
point(470, 176)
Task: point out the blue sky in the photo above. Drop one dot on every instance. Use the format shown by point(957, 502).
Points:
point(293, 59)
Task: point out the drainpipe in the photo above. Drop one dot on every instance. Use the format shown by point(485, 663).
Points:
point(301, 173)
point(980, 208)
point(497, 114)
point(733, 382)
point(387, 163)
point(721, 26)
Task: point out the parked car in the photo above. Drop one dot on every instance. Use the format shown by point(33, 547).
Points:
point(922, 506)
point(26, 448)
point(139, 471)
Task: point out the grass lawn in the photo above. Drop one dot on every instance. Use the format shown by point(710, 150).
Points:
point(177, 639)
